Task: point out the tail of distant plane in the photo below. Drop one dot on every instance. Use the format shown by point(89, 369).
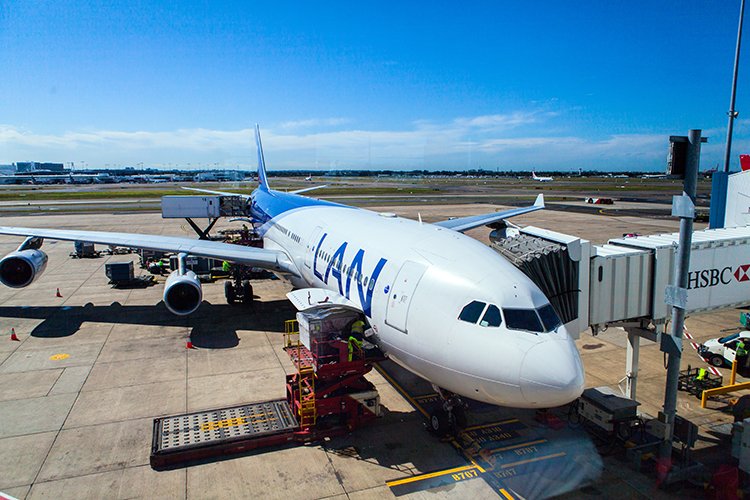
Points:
point(262, 179)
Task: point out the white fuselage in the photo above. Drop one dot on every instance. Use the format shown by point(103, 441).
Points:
point(413, 280)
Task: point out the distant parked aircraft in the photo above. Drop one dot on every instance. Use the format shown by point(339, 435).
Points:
point(540, 179)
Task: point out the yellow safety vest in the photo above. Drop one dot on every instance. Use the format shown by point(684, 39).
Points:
point(701, 374)
point(352, 342)
point(740, 349)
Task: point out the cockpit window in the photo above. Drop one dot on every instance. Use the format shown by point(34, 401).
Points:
point(491, 316)
point(471, 312)
point(522, 319)
point(549, 318)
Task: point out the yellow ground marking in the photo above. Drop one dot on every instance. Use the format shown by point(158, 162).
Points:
point(538, 459)
point(514, 446)
point(507, 495)
point(481, 469)
point(484, 426)
point(401, 390)
point(426, 396)
point(58, 357)
point(430, 475)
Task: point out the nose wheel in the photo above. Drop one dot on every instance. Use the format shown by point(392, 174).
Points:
point(449, 415)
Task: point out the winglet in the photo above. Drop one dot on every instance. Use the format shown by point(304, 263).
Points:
point(539, 202)
point(262, 179)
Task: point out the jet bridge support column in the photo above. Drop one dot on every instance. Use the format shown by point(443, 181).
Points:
point(636, 331)
point(631, 368)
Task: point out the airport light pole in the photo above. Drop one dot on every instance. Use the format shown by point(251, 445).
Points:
point(732, 112)
point(676, 295)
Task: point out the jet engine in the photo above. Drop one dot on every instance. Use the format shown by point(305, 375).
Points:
point(20, 268)
point(182, 293)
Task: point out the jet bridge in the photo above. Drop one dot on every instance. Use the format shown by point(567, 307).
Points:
point(626, 282)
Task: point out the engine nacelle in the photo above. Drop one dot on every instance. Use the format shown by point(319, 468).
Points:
point(20, 268)
point(182, 293)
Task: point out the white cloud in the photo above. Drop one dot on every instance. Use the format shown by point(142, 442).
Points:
point(314, 122)
point(512, 140)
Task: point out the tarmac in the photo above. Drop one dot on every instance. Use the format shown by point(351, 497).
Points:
point(94, 367)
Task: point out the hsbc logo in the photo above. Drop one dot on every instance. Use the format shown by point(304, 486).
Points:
point(741, 274)
point(712, 277)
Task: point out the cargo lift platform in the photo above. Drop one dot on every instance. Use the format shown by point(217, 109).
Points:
point(327, 395)
point(222, 431)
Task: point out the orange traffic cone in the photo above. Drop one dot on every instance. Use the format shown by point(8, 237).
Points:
point(58, 294)
point(189, 345)
point(13, 335)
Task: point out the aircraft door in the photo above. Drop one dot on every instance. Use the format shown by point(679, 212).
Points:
point(401, 294)
point(312, 245)
point(729, 351)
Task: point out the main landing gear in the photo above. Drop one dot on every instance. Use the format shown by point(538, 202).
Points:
point(238, 290)
point(449, 415)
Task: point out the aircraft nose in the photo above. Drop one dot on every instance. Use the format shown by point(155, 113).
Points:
point(552, 374)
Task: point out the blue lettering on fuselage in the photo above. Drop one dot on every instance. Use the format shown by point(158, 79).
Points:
point(335, 266)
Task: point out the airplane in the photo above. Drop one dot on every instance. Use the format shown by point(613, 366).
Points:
point(309, 178)
point(439, 303)
point(540, 179)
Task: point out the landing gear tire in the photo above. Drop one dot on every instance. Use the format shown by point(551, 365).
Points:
point(459, 417)
point(247, 292)
point(229, 292)
point(439, 422)
point(716, 360)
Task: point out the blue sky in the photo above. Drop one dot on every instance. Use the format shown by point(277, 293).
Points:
point(509, 85)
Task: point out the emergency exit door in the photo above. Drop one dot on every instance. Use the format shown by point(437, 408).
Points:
point(402, 293)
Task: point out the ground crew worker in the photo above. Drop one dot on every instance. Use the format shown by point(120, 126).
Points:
point(700, 377)
point(352, 342)
point(358, 328)
point(740, 353)
point(226, 266)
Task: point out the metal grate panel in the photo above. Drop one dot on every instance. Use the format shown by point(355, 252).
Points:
point(211, 427)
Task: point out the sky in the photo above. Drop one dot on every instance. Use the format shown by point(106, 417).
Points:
point(505, 85)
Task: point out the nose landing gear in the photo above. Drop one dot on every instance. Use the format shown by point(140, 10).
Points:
point(449, 415)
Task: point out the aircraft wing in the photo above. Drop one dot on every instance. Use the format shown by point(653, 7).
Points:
point(224, 193)
point(304, 190)
point(462, 224)
point(268, 259)
point(221, 193)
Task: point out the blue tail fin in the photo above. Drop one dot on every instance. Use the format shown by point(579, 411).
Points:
point(262, 179)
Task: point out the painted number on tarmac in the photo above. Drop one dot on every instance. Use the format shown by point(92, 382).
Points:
point(460, 476)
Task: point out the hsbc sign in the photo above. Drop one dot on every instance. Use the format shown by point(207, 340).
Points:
point(718, 276)
point(742, 273)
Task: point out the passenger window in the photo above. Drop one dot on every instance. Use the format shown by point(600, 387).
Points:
point(491, 317)
point(522, 319)
point(549, 317)
point(471, 312)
